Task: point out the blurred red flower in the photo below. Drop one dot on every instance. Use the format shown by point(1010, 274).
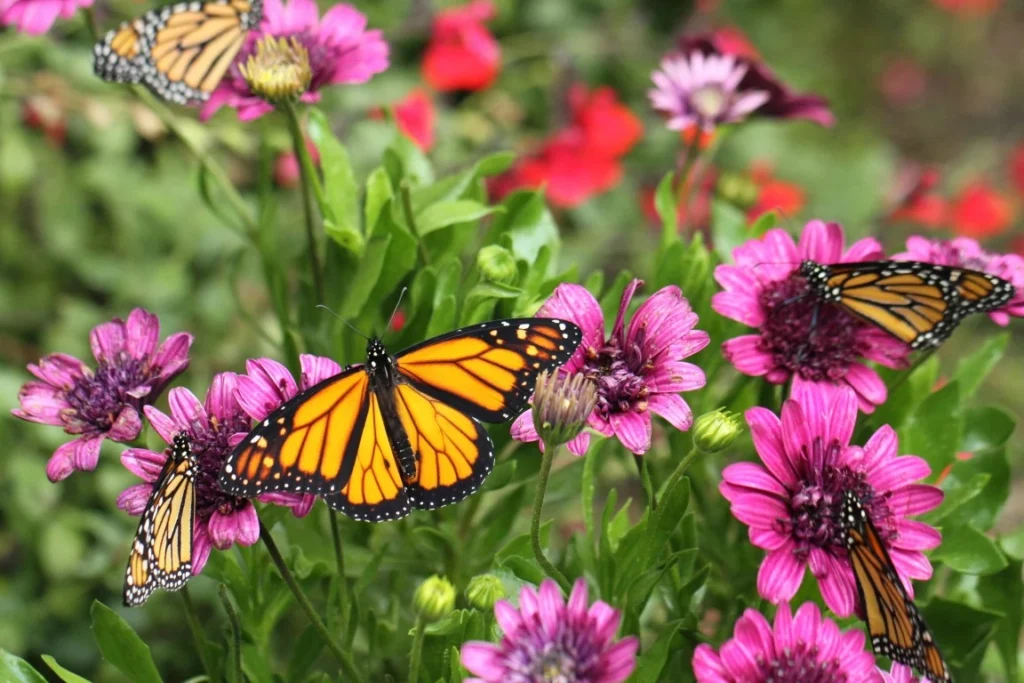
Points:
point(582, 160)
point(903, 81)
point(462, 54)
point(690, 132)
point(732, 41)
point(414, 116)
point(1017, 167)
point(286, 166)
point(46, 114)
point(785, 198)
point(979, 211)
point(912, 199)
point(968, 7)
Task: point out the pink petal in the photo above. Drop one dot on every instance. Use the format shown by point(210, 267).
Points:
point(753, 476)
point(783, 628)
point(342, 22)
point(580, 444)
point(81, 454)
point(316, 369)
point(482, 659)
point(662, 319)
point(507, 616)
point(300, 504)
point(107, 340)
point(708, 667)
point(578, 600)
point(822, 242)
point(201, 547)
point(834, 580)
point(550, 607)
point(759, 510)
point(142, 331)
point(126, 426)
point(144, 464)
point(867, 249)
point(780, 575)
point(868, 385)
point(880, 449)
point(627, 296)
point(745, 353)
point(604, 621)
point(220, 397)
point(766, 433)
point(899, 472)
point(915, 499)
point(60, 370)
point(575, 303)
point(910, 565)
point(671, 377)
point(766, 539)
point(162, 424)
point(738, 306)
point(619, 661)
point(740, 660)
point(673, 408)
point(633, 430)
point(239, 526)
point(41, 402)
point(134, 499)
point(187, 411)
point(807, 622)
point(173, 353)
point(914, 535)
point(523, 429)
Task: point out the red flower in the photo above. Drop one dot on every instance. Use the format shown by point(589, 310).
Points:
point(286, 166)
point(610, 128)
point(903, 81)
point(46, 113)
point(732, 41)
point(690, 132)
point(980, 211)
point(968, 7)
point(582, 160)
point(415, 117)
point(1017, 168)
point(462, 54)
point(912, 198)
point(784, 198)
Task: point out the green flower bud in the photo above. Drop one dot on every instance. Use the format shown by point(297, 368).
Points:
point(715, 431)
point(484, 591)
point(737, 189)
point(561, 406)
point(497, 264)
point(434, 599)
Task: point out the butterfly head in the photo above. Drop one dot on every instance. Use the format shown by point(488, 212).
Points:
point(378, 361)
point(181, 446)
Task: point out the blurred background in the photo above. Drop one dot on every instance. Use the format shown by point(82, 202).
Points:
point(100, 208)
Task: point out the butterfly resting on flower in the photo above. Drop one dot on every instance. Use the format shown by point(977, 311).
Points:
point(404, 431)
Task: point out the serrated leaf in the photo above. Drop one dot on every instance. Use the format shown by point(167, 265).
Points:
point(122, 646)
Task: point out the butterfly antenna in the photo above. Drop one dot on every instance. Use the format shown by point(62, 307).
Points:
point(350, 325)
point(397, 304)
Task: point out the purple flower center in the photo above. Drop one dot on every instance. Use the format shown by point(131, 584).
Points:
point(619, 374)
point(814, 507)
point(803, 335)
point(802, 664)
point(210, 447)
point(569, 657)
point(96, 399)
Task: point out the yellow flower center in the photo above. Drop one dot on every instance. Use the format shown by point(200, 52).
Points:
point(279, 69)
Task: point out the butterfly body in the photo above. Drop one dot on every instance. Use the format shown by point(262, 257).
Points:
point(918, 303)
point(161, 554)
point(404, 431)
point(180, 52)
point(895, 625)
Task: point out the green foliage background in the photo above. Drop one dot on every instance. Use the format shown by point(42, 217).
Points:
point(113, 219)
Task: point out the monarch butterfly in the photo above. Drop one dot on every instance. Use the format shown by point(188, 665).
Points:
point(403, 431)
point(895, 625)
point(161, 555)
point(181, 51)
point(918, 303)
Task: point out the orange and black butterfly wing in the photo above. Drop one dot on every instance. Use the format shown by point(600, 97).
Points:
point(311, 444)
point(453, 452)
point(193, 45)
point(119, 56)
point(161, 553)
point(488, 371)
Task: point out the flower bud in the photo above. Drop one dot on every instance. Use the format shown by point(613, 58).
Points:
point(497, 264)
point(561, 406)
point(434, 599)
point(737, 189)
point(278, 70)
point(715, 431)
point(485, 590)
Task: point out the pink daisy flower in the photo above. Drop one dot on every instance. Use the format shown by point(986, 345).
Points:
point(221, 519)
point(131, 372)
point(798, 337)
point(901, 674)
point(638, 370)
point(340, 49)
point(802, 647)
point(35, 17)
point(549, 640)
point(792, 502)
point(964, 252)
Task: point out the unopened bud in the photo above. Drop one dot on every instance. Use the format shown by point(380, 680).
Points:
point(484, 591)
point(715, 431)
point(561, 406)
point(497, 264)
point(279, 69)
point(434, 599)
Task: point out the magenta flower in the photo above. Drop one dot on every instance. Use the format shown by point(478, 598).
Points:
point(800, 647)
point(695, 89)
point(792, 502)
point(35, 17)
point(103, 403)
point(340, 49)
point(638, 370)
point(964, 252)
point(901, 674)
point(798, 337)
point(781, 102)
point(548, 640)
point(221, 519)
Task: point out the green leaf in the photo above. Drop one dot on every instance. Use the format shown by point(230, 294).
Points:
point(404, 159)
point(905, 392)
point(973, 368)
point(500, 477)
point(956, 494)
point(982, 510)
point(456, 186)
point(729, 227)
point(762, 225)
point(378, 195)
point(121, 645)
point(1004, 592)
point(934, 429)
point(520, 546)
point(62, 673)
point(445, 214)
point(528, 224)
point(969, 551)
point(667, 205)
point(588, 489)
point(526, 569)
point(963, 632)
point(651, 662)
point(371, 265)
point(17, 670)
point(340, 207)
point(987, 427)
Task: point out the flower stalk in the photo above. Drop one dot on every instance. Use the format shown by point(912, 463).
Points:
point(198, 635)
point(306, 172)
point(538, 507)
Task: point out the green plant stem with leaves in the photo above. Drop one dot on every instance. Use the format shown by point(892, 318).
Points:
point(416, 654)
point(339, 559)
point(195, 626)
point(538, 507)
point(343, 657)
point(306, 180)
point(235, 672)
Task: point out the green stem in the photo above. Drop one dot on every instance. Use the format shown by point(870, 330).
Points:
point(236, 632)
point(205, 160)
point(306, 171)
point(538, 507)
point(417, 650)
point(197, 634)
point(681, 468)
point(410, 218)
point(339, 558)
point(346, 662)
